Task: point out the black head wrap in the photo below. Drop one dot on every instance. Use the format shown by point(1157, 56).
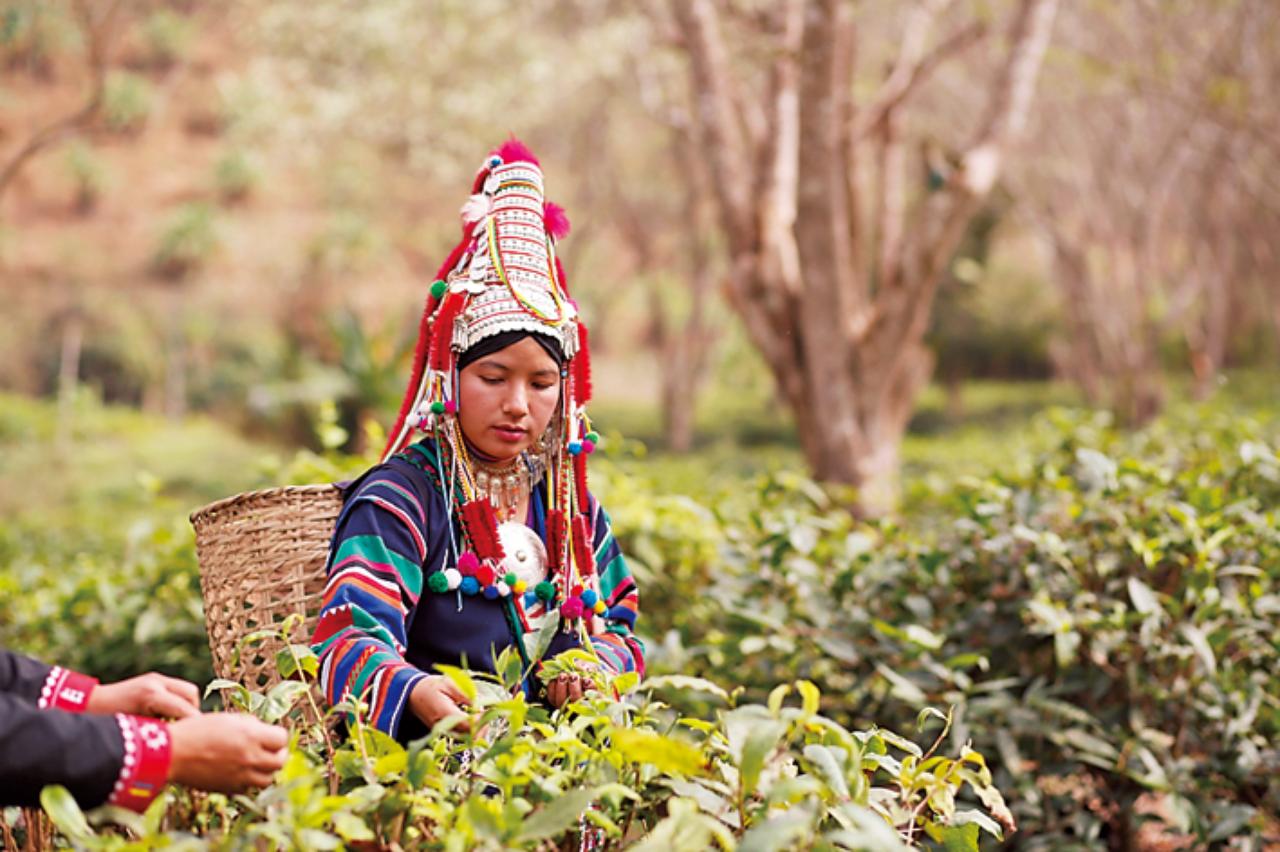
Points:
point(498, 342)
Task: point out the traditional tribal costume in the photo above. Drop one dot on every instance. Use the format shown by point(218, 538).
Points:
point(425, 566)
point(47, 738)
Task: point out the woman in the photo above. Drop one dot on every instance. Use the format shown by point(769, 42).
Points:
point(481, 534)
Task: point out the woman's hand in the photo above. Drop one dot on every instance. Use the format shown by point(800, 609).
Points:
point(226, 752)
point(435, 697)
point(150, 694)
point(564, 688)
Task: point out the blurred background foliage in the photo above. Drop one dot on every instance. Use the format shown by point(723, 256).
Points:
point(212, 278)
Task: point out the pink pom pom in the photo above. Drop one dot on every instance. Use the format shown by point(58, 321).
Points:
point(450, 407)
point(513, 150)
point(468, 563)
point(588, 447)
point(557, 220)
point(572, 608)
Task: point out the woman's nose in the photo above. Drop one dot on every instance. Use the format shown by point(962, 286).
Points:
point(517, 401)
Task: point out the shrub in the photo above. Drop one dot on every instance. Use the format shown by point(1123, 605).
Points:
point(89, 174)
point(188, 241)
point(167, 36)
point(126, 102)
point(236, 175)
point(1104, 619)
point(599, 772)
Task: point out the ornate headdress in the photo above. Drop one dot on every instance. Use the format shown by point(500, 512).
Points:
point(504, 276)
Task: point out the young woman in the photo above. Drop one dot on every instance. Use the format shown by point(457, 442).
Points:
point(480, 534)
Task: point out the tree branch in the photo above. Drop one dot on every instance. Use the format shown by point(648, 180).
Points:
point(97, 35)
point(913, 66)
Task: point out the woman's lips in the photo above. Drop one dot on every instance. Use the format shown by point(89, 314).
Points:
point(510, 434)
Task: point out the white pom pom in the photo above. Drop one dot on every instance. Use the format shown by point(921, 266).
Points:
point(503, 589)
point(475, 208)
point(454, 576)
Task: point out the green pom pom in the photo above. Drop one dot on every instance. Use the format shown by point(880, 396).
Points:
point(545, 591)
point(510, 578)
point(438, 583)
point(593, 437)
point(437, 407)
point(438, 288)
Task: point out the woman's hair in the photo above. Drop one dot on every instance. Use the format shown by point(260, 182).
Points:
point(498, 342)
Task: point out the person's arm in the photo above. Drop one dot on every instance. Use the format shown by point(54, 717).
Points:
point(375, 578)
point(46, 687)
point(121, 759)
point(617, 646)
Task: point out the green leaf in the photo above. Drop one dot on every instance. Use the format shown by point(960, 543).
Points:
point(1199, 644)
point(902, 688)
point(829, 763)
point(684, 683)
point(351, 828)
point(61, 807)
point(979, 819)
point(776, 696)
point(760, 743)
point(460, 678)
point(810, 697)
point(668, 754)
point(536, 648)
point(778, 832)
point(1144, 600)
point(954, 838)
point(557, 816)
point(280, 699)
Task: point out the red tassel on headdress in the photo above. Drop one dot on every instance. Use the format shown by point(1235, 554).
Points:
point(557, 531)
point(442, 274)
point(481, 525)
point(582, 549)
point(442, 330)
point(419, 362)
point(557, 224)
point(582, 368)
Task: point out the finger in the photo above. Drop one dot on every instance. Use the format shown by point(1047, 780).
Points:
point(272, 737)
point(574, 689)
point(260, 779)
point(168, 705)
point(185, 690)
point(270, 761)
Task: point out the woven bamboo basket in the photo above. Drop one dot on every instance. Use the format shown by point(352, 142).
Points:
point(262, 558)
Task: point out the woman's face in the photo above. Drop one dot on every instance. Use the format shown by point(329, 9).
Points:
point(506, 399)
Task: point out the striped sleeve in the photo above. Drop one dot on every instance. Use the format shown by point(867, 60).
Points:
point(374, 580)
point(618, 646)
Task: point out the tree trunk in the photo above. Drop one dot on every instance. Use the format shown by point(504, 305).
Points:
point(840, 327)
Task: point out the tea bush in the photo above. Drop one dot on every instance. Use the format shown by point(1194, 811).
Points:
point(1103, 617)
point(599, 773)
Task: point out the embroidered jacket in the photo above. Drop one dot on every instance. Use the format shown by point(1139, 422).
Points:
point(380, 631)
point(46, 738)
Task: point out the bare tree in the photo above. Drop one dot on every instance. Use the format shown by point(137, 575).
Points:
point(97, 23)
point(1150, 176)
point(834, 279)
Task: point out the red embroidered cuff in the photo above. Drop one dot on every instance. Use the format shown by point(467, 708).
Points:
point(66, 690)
point(145, 769)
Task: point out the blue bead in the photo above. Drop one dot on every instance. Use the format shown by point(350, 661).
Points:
point(470, 585)
point(588, 598)
point(491, 592)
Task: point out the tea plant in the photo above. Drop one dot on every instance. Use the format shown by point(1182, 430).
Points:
point(602, 772)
